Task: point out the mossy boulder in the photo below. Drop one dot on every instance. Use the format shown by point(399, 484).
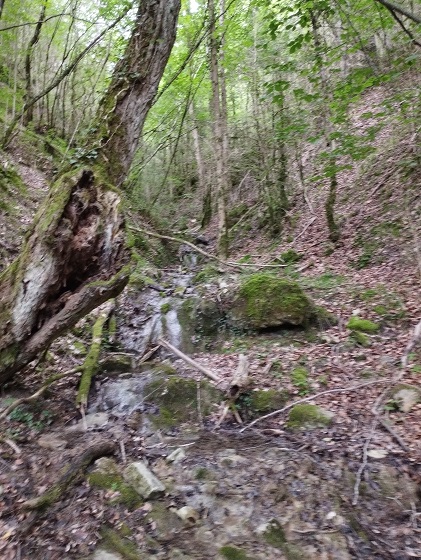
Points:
point(266, 301)
point(267, 401)
point(362, 325)
point(308, 416)
point(176, 400)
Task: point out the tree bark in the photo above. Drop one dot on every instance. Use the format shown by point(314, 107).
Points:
point(134, 85)
point(220, 135)
point(75, 257)
point(29, 115)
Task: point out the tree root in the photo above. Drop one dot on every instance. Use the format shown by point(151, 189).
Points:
point(71, 476)
point(90, 365)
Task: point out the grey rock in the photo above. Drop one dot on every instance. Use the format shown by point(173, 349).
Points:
point(143, 480)
point(50, 441)
point(177, 455)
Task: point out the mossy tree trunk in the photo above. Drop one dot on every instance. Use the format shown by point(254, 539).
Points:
point(74, 257)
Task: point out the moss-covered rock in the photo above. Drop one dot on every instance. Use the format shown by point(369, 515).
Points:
point(265, 300)
point(201, 319)
point(167, 523)
point(308, 416)
point(106, 475)
point(208, 273)
point(176, 400)
point(267, 401)
point(362, 325)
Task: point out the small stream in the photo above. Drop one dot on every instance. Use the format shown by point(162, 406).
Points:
point(153, 312)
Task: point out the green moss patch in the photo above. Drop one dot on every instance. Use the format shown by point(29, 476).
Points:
point(360, 338)
point(233, 553)
point(117, 542)
point(266, 401)
point(362, 325)
point(275, 535)
point(299, 378)
point(176, 398)
point(308, 416)
point(115, 482)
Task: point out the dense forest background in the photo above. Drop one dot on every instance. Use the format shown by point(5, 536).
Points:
point(210, 259)
point(255, 107)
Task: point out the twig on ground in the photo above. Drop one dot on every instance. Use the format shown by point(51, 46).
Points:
point(146, 356)
point(11, 444)
point(311, 398)
point(304, 230)
point(363, 463)
point(392, 432)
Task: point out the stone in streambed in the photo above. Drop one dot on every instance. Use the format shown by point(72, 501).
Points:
point(143, 480)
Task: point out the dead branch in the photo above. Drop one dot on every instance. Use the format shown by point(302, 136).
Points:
point(363, 463)
point(38, 393)
point(148, 354)
point(205, 253)
point(188, 360)
point(392, 432)
point(74, 472)
point(311, 398)
point(90, 364)
point(305, 229)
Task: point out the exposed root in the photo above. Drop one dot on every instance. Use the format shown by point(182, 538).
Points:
point(72, 475)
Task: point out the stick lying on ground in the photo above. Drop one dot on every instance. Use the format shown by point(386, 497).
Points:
point(188, 360)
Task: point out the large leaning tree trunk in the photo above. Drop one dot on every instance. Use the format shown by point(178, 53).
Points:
point(74, 257)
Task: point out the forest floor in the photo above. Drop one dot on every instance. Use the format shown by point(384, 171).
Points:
point(374, 272)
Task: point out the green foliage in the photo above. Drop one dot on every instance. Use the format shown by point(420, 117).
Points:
point(34, 420)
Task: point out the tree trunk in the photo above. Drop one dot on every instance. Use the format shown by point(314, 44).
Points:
point(134, 84)
point(75, 257)
point(220, 138)
point(1, 7)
